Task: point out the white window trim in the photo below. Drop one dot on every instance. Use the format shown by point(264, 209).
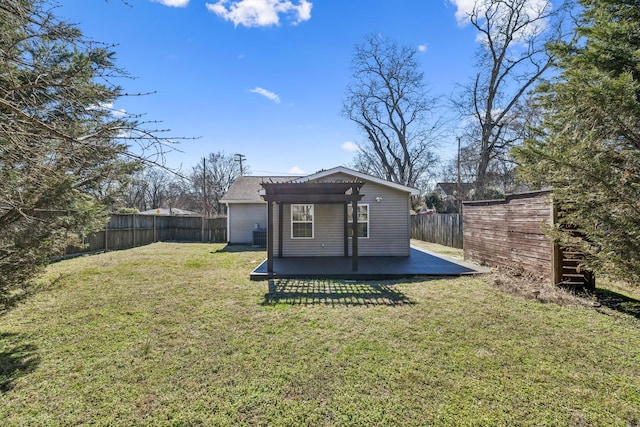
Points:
point(313, 221)
point(350, 220)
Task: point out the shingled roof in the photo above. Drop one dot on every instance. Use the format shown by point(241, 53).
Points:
point(245, 188)
point(451, 188)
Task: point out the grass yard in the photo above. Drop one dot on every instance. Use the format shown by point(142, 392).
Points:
point(176, 334)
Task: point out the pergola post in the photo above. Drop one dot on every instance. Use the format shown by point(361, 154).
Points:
point(280, 227)
point(354, 234)
point(345, 229)
point(269, 237)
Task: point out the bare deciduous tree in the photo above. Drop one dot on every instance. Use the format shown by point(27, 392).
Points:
point(513, 35)
point(388, 100)
point(219, 172)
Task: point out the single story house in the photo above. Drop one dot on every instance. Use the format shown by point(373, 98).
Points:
point(317, 215)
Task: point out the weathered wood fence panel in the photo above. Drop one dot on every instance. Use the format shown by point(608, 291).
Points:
point(511, 233)
point(444, 229)
point(130, 230)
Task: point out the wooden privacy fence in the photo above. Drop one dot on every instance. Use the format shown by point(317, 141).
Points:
point(129, 230)
point(511, 233)
point(444, 229)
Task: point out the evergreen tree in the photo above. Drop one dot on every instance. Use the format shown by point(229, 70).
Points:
point(63, 153)
point(588, 149)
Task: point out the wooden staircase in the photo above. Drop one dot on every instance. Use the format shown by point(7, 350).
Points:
point(574, 275)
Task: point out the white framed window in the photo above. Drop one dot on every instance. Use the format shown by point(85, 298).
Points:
point(302, 221)
point(363, 220)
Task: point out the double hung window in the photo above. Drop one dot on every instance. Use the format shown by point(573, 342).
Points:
point(302, 221)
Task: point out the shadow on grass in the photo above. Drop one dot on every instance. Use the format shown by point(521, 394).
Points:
point(333, 292)
point(619, 302)
point(16, 360)
point(240, 248)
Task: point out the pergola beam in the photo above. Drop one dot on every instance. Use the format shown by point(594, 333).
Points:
point(312, 198)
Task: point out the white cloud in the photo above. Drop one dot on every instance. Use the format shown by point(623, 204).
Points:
point(297, 171)
point(267, 94)
point(119, 113)
point(261, 13)
point(173, 3)
point(422, 48)
point(465, 7)
point(350, 146)
point(108, 106)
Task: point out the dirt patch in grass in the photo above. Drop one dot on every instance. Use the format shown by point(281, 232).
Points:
point(532, 288)
point(610, 294)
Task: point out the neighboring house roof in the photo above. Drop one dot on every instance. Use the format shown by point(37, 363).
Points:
point(245, 189)
point(451, 188)
point(169, 211)
point(342, 169)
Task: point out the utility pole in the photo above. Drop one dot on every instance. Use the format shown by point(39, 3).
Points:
point(240, 158)
point(204, 195)
point(459, 189)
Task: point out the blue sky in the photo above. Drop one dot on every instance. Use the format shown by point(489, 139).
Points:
point(266, 78)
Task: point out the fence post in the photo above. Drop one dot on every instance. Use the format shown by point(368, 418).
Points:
point(556, 252)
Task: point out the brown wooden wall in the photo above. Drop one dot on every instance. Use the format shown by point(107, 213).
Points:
point(510, 233)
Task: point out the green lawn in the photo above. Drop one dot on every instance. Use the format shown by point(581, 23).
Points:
point(176, 334)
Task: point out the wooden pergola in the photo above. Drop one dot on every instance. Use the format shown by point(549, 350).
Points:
point(344, 193)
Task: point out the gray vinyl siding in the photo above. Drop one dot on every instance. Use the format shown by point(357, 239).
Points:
point(388, 222)
point(243, 218)
point(388, 225)
point(328, 237)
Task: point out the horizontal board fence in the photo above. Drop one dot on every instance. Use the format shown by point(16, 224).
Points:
point(130, 230)
point(511, 233)
point(444, 229)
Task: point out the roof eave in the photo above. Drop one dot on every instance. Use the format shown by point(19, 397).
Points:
point(341, 169)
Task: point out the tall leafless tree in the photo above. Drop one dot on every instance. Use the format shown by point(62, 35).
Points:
point(513, 35)
point(219, 172)
point(388, 100)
